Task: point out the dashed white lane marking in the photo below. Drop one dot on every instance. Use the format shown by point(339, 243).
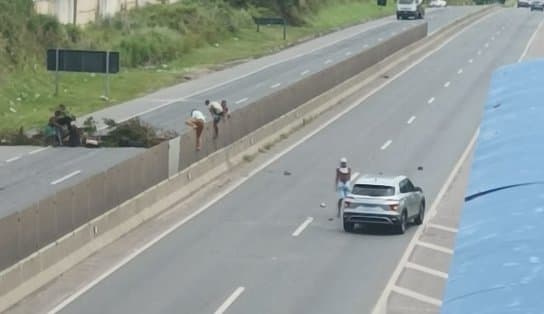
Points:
point(275, 85)
point(460, 71)
point(435, 247)
point(479, 52)
point(66, 177)
point(492, 37)
point(530, 41)
point(386, 144)
point(427, 270)
point(241, 101)
point(304, 72)
point(486, 45)
point(348, 53)
point(13, 159)
point(39, 150)
point(303, 226)
point(431, 100)
point(412, 118)
point(230, 300)
point(441, 227)
point(470, 61)
point(328, 61)
point(447, 84)
point(418, 296)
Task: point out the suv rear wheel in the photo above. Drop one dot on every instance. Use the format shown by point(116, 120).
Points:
point(401, 227)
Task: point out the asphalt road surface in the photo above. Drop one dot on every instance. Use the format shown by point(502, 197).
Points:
point(21, 172)
point(240, 254)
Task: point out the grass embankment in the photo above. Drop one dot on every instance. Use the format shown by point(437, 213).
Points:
point(182, 37)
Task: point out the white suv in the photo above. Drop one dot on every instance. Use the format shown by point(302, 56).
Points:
point(386, 200)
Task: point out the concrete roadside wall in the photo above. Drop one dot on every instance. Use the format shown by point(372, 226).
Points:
point(35, 242)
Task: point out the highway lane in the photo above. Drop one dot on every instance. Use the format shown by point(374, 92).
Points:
point(269, 80)
point(246, 239)
point(36, 170)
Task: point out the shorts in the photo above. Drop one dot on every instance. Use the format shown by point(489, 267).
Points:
point(343, 188)
point(217, 118)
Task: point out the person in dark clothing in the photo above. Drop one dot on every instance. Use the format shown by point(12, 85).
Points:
point(54, 124)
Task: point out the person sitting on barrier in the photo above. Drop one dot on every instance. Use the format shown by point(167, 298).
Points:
point(196, 121)
point(217, 114)
point(57, 129)
point(64, 118)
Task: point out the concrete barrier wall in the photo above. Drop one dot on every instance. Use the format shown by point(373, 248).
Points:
point(37, 238)
point(29, 230)
point(270, 107)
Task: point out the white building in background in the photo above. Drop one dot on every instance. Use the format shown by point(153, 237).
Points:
point(85, 11)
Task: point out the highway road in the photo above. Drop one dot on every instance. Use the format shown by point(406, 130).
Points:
point(37, 171)
point(240, 254)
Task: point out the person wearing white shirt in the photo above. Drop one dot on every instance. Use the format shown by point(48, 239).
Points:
point(197, 121)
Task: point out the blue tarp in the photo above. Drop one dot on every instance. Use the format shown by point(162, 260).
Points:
point(498, 264)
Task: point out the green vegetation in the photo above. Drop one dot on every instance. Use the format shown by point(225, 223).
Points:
point(160, 45)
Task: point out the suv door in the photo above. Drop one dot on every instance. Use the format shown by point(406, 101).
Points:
point(408, 189)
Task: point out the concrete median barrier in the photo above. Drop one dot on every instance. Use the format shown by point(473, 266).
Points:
point(128, 194)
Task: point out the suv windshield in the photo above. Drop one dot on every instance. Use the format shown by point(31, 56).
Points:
point(373, 190)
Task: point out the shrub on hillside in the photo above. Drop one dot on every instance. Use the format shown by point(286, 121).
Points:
point(151, 46)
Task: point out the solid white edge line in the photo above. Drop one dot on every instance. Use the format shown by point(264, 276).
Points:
point(348, 53)
point(235, 185)
point(230, 300)
point(418, 296)
point(441, 227)
point(305, 72)
point(380, 39)
point(431, 100)
point(13, 159)
point(275, 85)
point(427, 270)
point(381, 303)
point(303, 226)
point(299, 55)
point(241, 100)
point(39, 150)
point(328, 61)
point(66, 177)
point(435, 247)
point(386, 144)
point(447, 84)
point(412, 118)
point(530, 42)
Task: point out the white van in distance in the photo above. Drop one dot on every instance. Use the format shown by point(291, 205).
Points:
point(410, 8)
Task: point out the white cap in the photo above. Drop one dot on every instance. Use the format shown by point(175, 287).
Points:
point(343, 160)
